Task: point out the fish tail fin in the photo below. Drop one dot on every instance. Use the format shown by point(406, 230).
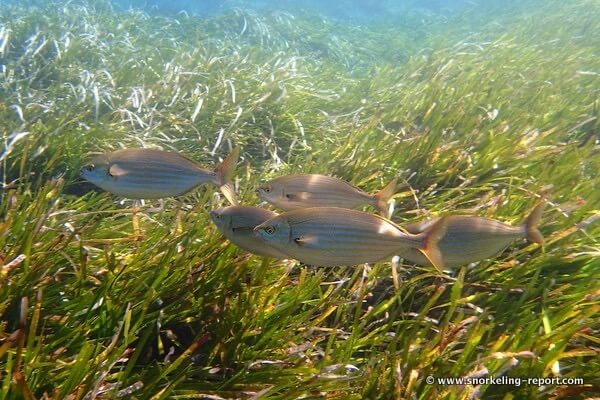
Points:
point(429, 242)
point(229, 193)
point(532, 232)
point(224, 171)
point(381, 198)
point(226, 168)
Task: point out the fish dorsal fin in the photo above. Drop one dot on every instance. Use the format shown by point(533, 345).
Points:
point(116, 171)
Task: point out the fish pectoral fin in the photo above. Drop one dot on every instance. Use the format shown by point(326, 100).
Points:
point(115, 171)
point(306, 241)
point(298, 196)
point(242, 229)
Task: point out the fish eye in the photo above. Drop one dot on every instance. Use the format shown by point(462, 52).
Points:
point(270, 230)
point(267, 189)
point(89, 167)
point(218, 216)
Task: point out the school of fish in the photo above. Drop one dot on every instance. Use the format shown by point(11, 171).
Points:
point(320, 225)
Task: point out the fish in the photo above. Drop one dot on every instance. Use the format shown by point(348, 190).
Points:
point(469, 238)
point(237, 223)
point(139, 173)
point(292, 192)
point(332, 236)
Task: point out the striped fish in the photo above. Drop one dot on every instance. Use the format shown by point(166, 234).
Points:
point(293, 192)
point(237, 223)
point(154, 174)
point(469, 239)
point(330, 236)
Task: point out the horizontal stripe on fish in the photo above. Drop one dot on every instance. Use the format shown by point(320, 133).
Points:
point(152, 173)
point(329, 236)
point(470, 239)
point(157, 174)
point(237, 223)
point(161, 168)
point(312, 190)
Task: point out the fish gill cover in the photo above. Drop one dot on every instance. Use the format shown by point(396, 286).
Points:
point(480, 108)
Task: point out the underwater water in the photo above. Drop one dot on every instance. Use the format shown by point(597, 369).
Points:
point(346, 9)
point(484, 114)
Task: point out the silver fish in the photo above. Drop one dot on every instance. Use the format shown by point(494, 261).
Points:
point(293, 192)
point(469, 239)
point(154, 174)
point(237, 223)
point(330, 236)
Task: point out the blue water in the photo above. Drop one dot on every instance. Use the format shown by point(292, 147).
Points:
point(356, 11)
point(342, 9)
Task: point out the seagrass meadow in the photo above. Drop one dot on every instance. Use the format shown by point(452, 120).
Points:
point(487, 110)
